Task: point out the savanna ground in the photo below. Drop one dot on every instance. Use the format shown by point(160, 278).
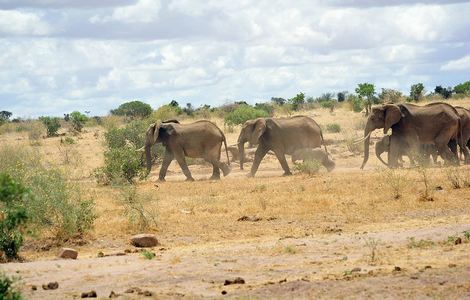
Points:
point(350, 233)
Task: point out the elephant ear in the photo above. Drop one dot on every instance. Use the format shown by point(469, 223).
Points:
point(392, 116)
point(152, 133)
point(169, 128)
point(258, 130)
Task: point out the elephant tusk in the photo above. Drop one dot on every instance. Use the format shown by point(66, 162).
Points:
point(141, 149)
point(361, 139)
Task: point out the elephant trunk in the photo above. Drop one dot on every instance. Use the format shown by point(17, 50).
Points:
point(367, 131)
point(241, 152)
point(148, 157)
point(378, 153)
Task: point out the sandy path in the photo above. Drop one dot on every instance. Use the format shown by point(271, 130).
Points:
point(312, 266)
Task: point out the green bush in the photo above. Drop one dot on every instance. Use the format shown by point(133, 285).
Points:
point(327, 104)
point(463, 88)
point(13, 198)
point(78, 120)
point(122, 160)
point(8, 291)
point(166, 112)
point(133, 109)
point(35, 132)
point(52, 125)
point(244, 113)
point(58, 207)
point(333, 128)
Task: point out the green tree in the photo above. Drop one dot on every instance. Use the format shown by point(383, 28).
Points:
point(52, 125)
point(446, 93)
point(78, 120)
point(463, 88)
point(298, 101)
point(133, 109)
point(13, 216)
point(367, 91)
point(4, 116)
point(416, 92)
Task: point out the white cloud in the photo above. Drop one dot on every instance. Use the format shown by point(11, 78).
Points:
point(461, 64)
point(22, 23)
point(144, 11)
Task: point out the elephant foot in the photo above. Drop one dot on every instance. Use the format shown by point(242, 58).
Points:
point(287, 174)
point(161, 179)
point(226, 170)
point(215, 177)
point(249, 175)
point(189, 179)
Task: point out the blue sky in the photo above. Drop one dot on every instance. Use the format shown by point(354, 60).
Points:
point(59, 56)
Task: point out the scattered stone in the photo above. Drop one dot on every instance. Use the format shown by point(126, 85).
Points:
point(113, 295)
point(442, 282)
point(283, 280)
point(439, 188)
point(144, 240)
point(249, 219)
point(237, 280)
point(414, 277)
point(224, 292)
point(68, 253)
point(397, 269)
point(458, 241)
point(100, 254)
point(427, 267)
point(91, 294)
point(145, 293)
point(452, 265)
point(51, 286)
point(271, 219)
point(133, 290)
point(34, 288)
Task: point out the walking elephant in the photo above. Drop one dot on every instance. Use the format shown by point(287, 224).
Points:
point(281, 135)
point(201, 139)
point(464, 115)
point(413, 125)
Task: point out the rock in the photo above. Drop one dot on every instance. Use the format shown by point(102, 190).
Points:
point(356, 269)
point(452, 265)
point(397, 269)
point(34, 288)
point(91, 294)
point(144, 240)
point(458, 241)
point(68, 253)
point(51, 286)
point(224, 292)
point(249, 219)
point(237, 280)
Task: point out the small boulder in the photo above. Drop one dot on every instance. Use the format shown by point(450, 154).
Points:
point(54, 285)
point(91, 294)
point(68, 253)
point(144, 240)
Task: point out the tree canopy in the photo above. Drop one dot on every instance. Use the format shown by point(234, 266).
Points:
point(134, 109)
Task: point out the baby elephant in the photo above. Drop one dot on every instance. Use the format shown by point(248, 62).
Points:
point(314, 154)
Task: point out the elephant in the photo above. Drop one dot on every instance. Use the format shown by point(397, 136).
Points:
point(383, 145)
point(320, 155)
point(281, 135)
point(201, 139)
point(464, 115)
point(412, 125)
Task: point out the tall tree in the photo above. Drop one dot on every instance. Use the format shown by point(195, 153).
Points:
point(416, 92)
point(366, 91)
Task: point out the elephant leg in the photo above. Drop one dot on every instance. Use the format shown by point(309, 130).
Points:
point(442, 144)
point(464, 150)
point(179, 155)
point(395, 152)
point(215, 171)
point(167, 158)
point(282, 159)
point(259, 154)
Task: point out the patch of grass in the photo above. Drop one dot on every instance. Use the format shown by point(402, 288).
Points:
point(458, 177)
point(58, 207)
point(396, 180)
point(140, 208)
point(372, 245)
point(350, 140)
point(290, 249)
point(333, 128)
point(426, 194)
point(466, 234)
point(413, 243)
point(35, 133)
point(148, 254)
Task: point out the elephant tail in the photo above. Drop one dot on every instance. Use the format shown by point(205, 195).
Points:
point(323, 142)
point(225, 143)
point(460, 141)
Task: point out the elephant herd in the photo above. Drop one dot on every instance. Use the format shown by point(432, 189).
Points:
point(417, 131)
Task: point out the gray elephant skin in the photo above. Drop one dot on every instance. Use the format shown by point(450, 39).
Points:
point(413, 125)
point(201, 139)
point(281, 135)
point(383, 145)
point(306, 154)
point(464, 115)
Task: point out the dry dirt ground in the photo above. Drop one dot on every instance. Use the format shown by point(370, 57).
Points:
point(332, 235)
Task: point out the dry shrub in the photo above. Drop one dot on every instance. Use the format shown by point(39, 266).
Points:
point(309, 167)
point(458, 177)
point(350, 139)
point(111, 122)
point(139, 207)
point(35, 132)
point(396, 179)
